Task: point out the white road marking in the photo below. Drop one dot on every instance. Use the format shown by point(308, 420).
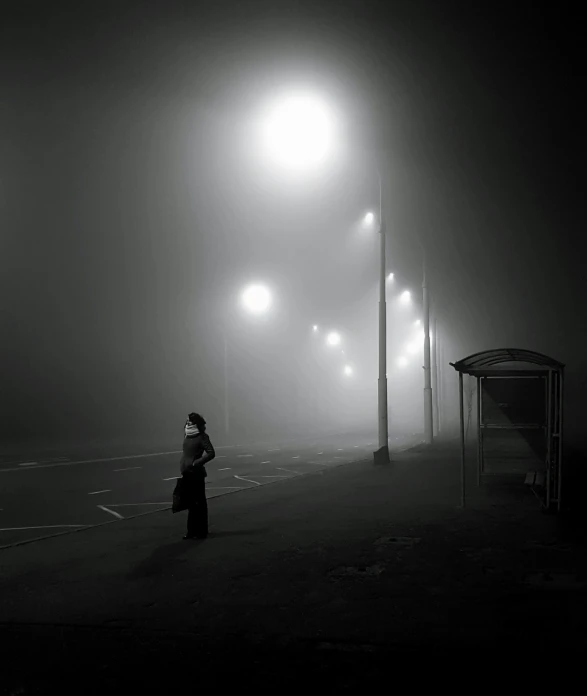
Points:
point(319, 452)
point(29, 464)
point(106, 490)
point(240, 478)
point(225, 469)
point(267, 462)
point(128, 468)
point(356, 446)
point(244, 455)
point(281, 468)
point(340, 449)
point(275, 476)
point(225, 488)
point(276, 449)
point(45, 526)
point(220, 456)
point(296, 457)
point(95, 461)
point(172, 478)
point(112, 512)
point(133, 504)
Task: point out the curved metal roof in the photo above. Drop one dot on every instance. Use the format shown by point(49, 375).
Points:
point(499, 357)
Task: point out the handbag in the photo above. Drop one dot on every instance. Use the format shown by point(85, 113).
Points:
point(180, 497)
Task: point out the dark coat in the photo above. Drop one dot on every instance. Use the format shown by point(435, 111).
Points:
point(197, 450)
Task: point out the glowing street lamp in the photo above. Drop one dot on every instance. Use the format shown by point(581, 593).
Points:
point(298, 131)
point(369, 219)
point(402, 361)
point(348, 370)
point(417, 322)
point(333, 338)
point(405, 297)
point(256, 299)
point(315, 328)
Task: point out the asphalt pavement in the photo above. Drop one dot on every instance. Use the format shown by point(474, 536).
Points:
point(57, 494)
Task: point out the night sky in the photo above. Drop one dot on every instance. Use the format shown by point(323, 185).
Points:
point(134, 207)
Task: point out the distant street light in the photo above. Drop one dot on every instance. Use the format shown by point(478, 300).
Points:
point(417, 322)
point(405, 297)
point(402, 361)
point(256, 299)
point(390, 277)
point(369, 219)
point(315, 328)
point(333, 338)
point(348, 370)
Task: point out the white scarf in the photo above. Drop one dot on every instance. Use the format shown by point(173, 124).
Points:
point(191, 429)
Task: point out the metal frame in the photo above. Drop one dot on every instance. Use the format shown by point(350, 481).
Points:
point(513, 363)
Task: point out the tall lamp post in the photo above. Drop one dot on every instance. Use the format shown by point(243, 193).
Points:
point(381, 455)
point(297, 132)
point(256, 299)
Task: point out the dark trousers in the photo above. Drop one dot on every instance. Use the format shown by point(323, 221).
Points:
point(198, 510)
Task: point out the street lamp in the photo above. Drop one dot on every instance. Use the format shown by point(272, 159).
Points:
point(315, 328)
point(256, 299)
point(298, 132)
point(333, 338)
point(369, 219)
point(348, 370)
point(405, 297)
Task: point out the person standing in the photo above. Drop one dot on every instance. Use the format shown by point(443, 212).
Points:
point(197, 451)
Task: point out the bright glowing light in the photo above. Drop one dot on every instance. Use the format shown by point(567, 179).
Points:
point(390, 277)
point(413, 347)
point(333, 338)
point(417, 322)
point(406, 297)
point(402, 361)
point(298, 131)
point(315, 328)
point(369, 219)
point(348, 370)
point(256, 299)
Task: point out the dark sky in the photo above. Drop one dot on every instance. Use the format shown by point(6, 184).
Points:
point(132, 210)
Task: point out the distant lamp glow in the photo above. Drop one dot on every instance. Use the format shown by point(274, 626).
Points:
point(369, 219)
point(348, 370)
point(402, 361)
point(315, 328)
point(298, 131)
point(333, 338)
point(417, 322)
point(256, 299)
point(405, 297)
point(390, 277)
point(414, 347)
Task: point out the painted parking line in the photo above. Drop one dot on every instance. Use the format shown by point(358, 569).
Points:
point(296, 457)
point(225, 488)
point(45, 526)
point(291, 471)
point(106, 490)
point(227, 468)
point(134, 504)
point(28, 464)
point(244, 455)
point(220, 456)
point(241, 478)
point(172, 478)
point(267, 462)
point(275, 449)
point(319, 452)
point(112, 512)
point(275, 476)
point(128, 468)
point(340, 449)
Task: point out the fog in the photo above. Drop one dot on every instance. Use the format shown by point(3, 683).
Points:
point(136, 206)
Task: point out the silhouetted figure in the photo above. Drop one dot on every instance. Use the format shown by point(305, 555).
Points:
point(197, 450)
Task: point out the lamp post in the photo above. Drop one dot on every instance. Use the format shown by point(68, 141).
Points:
point(435, 359)
point(428, 418)
point(256, 299)
point(298, 132)
point(381, 455)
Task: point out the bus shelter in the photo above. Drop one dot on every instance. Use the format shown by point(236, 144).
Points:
point(519, 419)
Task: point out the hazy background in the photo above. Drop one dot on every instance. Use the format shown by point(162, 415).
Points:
point(135, 206)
